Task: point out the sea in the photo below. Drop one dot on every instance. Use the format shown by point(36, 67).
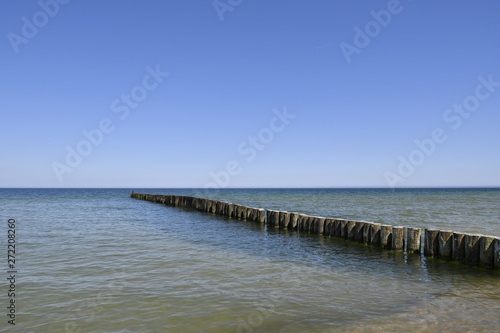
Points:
point(96, 260)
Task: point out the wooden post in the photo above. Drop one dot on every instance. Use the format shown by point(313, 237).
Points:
point(375, 234)
point(307, 223)
point(336, 228)
point(320, 225)
point(294, 219)
point(398, 238)
point(262, 215)
point(300, 222)
point(486, 251)
point(366, 232)
point(269, 218)
point(472, 249)
point(350, 230)
point(445, 242)
point(413, 240)
point(386, 236)
point(313, 225)
point(284, 220)
point(458, 247)
point(329, 227)
point(358, 231)
point(236, 211)
point(274, 222)
point(431, 243)
point(250, 214)
point(496, 253)
point(344, 233)
point(244, 213)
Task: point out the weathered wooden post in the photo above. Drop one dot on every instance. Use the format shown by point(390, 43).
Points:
point(445, 244)
point(413, 240)
point(313, 224)
point(358, 231)
point(486, 251)
point(236, 211)
point(344, 232)
point(313, 227)
point(319, 225)
point(243, 213)
point(306, 222)
point(328, 228)
point(255, 212)
point(472, 249)
point(350, 230)
point(250, 214)
point(458, 247)
point(496, 253)
point(230, 210)
point(375, 234)
point(386, 236)
point(262, 215)
point(336, 230)
point(269, 217)
point(272, 218)
point(284, 220)
point(431, 243)
point(366, 232)
point(294, 219)
point(398, 238)
point(301, 222)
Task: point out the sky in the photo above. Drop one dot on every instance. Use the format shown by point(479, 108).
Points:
point(240, 93)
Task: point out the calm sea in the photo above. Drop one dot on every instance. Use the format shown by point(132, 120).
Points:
point(95, 260)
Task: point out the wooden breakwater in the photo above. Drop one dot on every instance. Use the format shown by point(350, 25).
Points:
point(472, 249)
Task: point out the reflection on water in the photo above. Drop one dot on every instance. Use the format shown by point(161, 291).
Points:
point(98, 261)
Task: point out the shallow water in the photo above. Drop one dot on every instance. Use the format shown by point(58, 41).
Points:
point(98, 261)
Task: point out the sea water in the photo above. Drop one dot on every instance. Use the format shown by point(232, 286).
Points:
point(95, 260)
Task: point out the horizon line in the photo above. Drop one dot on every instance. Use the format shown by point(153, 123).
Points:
point(258, 188)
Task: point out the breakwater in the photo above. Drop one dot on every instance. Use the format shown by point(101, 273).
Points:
point(472, 249)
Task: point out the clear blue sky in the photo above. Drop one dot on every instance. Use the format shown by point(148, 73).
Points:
point(359, 100)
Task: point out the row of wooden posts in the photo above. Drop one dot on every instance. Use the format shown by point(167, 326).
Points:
point(466, 248)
